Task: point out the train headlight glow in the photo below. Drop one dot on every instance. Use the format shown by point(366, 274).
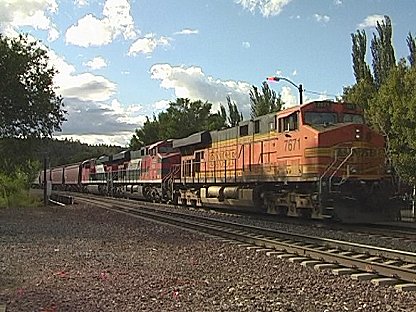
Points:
point(357, 134)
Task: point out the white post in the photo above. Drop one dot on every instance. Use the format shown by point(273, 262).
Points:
point(413, 203)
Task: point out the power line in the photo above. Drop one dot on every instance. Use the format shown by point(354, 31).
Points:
point(320, 93)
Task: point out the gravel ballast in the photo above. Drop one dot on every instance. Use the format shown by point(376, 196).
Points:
point(79, 258)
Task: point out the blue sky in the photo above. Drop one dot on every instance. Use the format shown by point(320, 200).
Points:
point(120, 61)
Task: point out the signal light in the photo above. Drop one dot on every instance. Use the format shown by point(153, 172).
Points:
point(273, 79)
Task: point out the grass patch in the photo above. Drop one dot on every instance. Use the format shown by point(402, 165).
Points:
point(14, 191)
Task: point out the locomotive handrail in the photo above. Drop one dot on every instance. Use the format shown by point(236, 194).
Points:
point(326, 171)
point(339, 167)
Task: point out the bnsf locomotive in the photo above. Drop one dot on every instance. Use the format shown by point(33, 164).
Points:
point(317, 160)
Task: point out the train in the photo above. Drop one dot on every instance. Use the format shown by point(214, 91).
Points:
point(318, 160)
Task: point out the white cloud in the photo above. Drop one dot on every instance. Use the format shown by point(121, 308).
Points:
point(148, 44)
point(95, 122)
point(93, 117)
point(32, 13)
point(321, 18)
point(117, 13)
point(371, 21)
point(96, 63)
point(119, 139)
point(246, 44)
point(278, 73)
point(266, 7)
point(288, 98)
point(82, 87)
point(161, 105)
point(88, 87)
point(92, 31)
point(80, 3)
point(187, 31)
point(89, 31)
point(294, 73)
point(338, 2)
point(192, 83)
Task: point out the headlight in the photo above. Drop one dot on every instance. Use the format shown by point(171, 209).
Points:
point(357, 134)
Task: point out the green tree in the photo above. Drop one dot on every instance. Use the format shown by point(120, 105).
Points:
point(360, 93)
point(234, 116)
point(412, 49)
point(359, 49)
point(393, 113)
point(391, 99)
point(382, 51)
point(364, 89)
point(264, 101)
point(147, 134)
point(217, 120)
point(29, 106)
point(182, 118)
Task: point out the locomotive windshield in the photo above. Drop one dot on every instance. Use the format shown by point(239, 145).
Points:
point(354, 118)
point(318, 118)
point(330, 118)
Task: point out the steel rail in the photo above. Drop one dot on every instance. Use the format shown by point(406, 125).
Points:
point(288, 244)
point(375, 251)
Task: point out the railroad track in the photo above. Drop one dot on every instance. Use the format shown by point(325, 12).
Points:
point(384, 232)
point(364, 262)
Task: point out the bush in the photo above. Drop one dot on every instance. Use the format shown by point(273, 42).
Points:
point(14, 191)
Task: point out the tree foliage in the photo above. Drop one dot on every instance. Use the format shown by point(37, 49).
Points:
point(393, 112)
point(234, 116)
point(382, 51)
point(149, 132)
point(265, 101)
point(389, 97)
point(14, 191)
point(411, 43)
point(182, 118)
point(29, 106)
point(359, 49)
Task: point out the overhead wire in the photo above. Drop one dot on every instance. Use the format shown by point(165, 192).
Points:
point(320, 93)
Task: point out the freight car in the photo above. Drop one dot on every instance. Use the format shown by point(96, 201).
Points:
point(318, 160)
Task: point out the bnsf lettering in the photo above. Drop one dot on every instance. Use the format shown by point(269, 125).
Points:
point(222, 155)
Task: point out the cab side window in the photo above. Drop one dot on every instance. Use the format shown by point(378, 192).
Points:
point(289, 123)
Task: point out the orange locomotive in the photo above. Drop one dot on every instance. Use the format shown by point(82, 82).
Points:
point(316, 160)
